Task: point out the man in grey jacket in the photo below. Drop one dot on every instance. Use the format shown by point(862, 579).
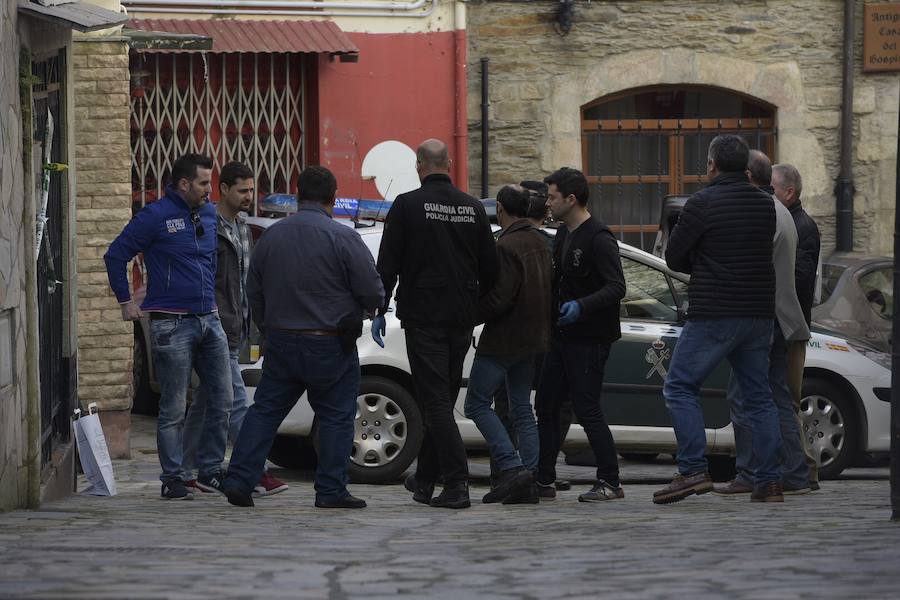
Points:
point(790, 329)
point(236, 191)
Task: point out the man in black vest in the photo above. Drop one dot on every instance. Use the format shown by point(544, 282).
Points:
point(588, 284)
point(724, 240)
point(437, 241)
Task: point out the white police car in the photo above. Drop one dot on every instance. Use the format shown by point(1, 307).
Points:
point(846, 390)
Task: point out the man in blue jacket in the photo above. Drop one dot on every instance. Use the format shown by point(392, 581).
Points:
point(177, 235)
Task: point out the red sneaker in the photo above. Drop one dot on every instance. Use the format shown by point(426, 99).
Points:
point(191, 485)
point(269, 485)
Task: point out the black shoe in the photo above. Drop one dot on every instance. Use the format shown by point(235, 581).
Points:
point(529, 495)
point(347, 501)
point(422, 493)
point(212, 483)
point(814, 486)
point(546, 491)
point(453, 496)
point(237, 497)
point(174, 489)
point(511, 481)
point(562, 485)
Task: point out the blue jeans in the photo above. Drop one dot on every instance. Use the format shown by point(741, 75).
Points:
point(193, 422)
point(294, 364)
point(487, 375)
point(703, 343)
point(181, 344)
point(795, 473)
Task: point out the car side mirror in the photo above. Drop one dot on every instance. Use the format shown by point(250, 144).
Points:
point(682, 313)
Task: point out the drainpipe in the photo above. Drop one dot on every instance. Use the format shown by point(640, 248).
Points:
point(461, 149)
point(32, 383)
point(485, 126)
point(844, 188)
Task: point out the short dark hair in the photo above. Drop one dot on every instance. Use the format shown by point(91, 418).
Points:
point(515, 200)
point(570, 181)
point(233, 171)
point(316, 184)
point(537, 205)
point(186, 167)
point(730, 153)
point(760, 168)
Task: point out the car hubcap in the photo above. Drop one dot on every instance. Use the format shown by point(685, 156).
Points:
point(823, 428)
point(380, 431)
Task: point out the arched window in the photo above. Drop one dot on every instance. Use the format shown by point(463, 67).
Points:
point(644, 144)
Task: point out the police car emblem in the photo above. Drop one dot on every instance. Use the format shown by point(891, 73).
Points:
point(657, 355)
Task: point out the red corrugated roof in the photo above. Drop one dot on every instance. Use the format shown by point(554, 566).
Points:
point(230, 35)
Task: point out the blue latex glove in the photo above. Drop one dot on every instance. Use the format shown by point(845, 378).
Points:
point(378, 329)
point(569, 312)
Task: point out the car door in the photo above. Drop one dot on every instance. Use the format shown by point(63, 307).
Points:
point(639, 361)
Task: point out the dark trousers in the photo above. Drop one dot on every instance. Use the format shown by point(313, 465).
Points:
point(436, 360)
point(295, 364)
point(574, 372)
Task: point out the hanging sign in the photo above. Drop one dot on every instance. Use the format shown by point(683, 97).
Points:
point(881, 37)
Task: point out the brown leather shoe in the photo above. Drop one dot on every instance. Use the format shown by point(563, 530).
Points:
point(683, 486)
point(732, 489)
point(768, 492)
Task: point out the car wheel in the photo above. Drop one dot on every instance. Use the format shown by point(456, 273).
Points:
point(388, 432)
point(146, 401)
point(721, 468)
point(292, 452)
point(830, 426)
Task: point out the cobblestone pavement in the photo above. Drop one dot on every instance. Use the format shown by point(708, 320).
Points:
point(837, 542)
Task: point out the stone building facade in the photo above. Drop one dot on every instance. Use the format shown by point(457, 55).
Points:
point(39, 292)
point(18, 451)
point(786, 55)
point(103, 176)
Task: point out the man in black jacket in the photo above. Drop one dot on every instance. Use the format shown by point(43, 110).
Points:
point(516, 312)
point(724, 240)
point(588, 284)
point(233, 260)
point(437, 241)
point(787, 184)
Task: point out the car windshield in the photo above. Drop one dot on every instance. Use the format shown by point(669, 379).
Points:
point(878, 288)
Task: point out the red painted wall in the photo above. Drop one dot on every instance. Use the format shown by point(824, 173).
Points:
point(401, 89)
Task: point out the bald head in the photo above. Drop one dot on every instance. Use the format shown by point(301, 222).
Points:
point(432, 156)
point(759, 167)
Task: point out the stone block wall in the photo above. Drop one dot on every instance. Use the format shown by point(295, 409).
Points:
point(16, 456)
point(785, 53)
point(103, 179)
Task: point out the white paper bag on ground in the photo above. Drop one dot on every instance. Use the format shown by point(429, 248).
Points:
point(94, 453)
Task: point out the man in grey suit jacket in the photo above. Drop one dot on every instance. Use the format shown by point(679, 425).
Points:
point(790, 330)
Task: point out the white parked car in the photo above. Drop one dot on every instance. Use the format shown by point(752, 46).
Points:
point(846, 389)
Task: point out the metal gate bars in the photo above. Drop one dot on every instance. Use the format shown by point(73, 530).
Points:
point(235, 106)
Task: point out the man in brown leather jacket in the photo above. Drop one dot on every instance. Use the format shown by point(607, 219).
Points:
point(516, 313)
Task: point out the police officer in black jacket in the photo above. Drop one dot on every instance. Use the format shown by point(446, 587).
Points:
point(437, 241)
point(588, 284)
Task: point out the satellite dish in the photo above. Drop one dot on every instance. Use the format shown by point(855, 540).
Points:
point(392, 165)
